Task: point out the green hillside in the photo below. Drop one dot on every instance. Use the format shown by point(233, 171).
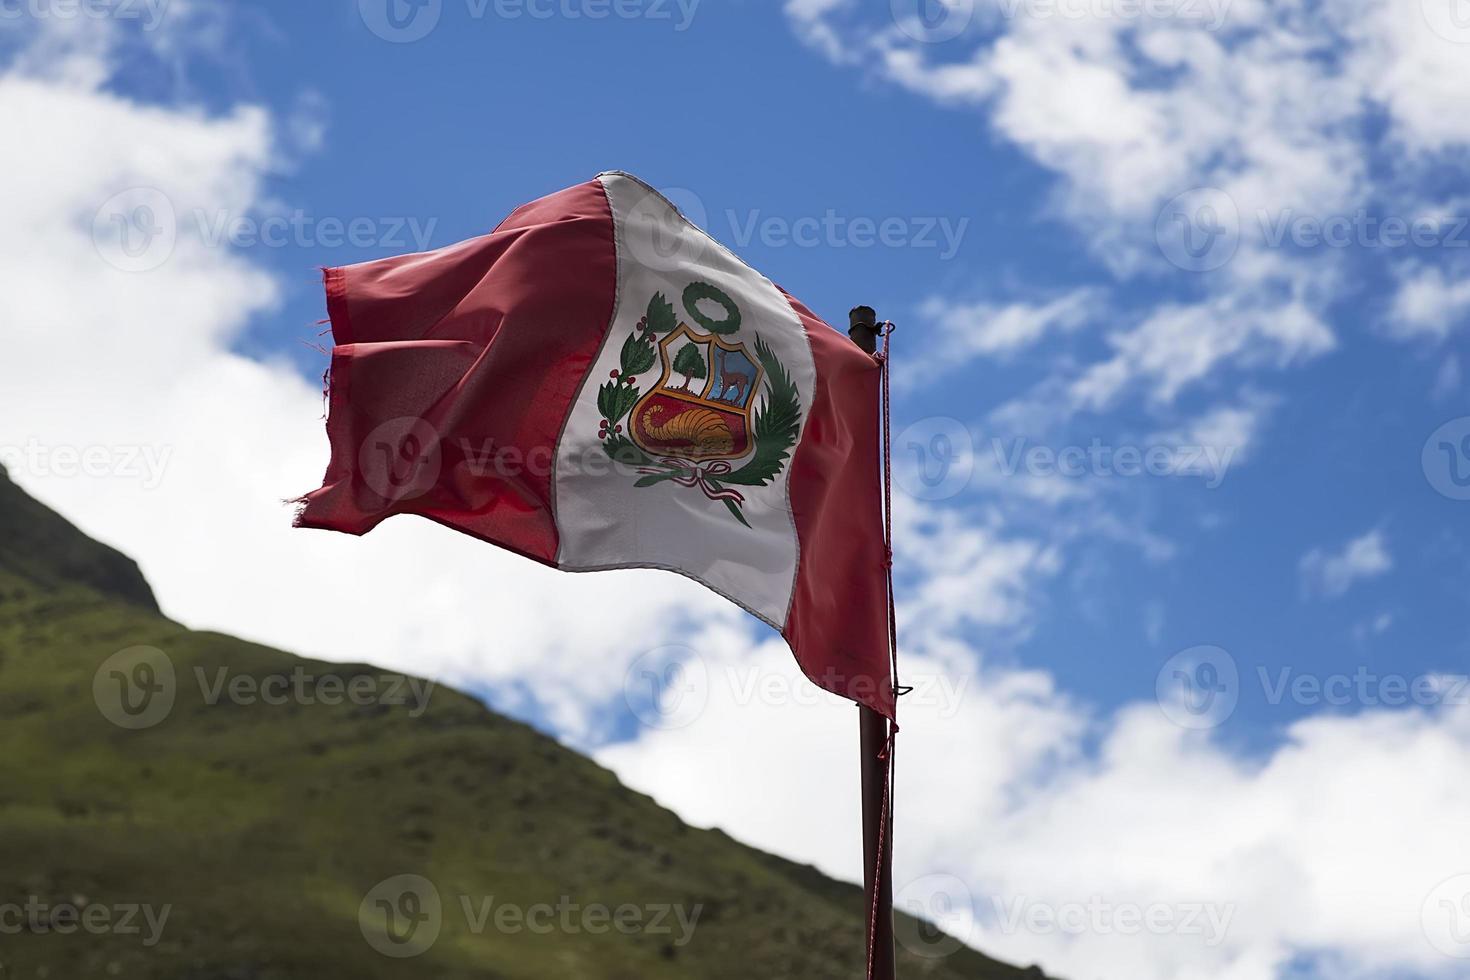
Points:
point(263, 831)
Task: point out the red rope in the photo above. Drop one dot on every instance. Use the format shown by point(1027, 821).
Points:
point(888, 752)
point(888, 329)
point(887, 756)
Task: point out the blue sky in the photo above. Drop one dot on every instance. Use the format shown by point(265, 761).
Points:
point(736, 115)
point(483, 114)
point(1101, 233)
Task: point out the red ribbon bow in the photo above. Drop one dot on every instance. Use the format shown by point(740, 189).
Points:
point(694, 475)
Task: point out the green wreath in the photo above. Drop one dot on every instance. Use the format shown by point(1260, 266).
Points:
point(697, 291)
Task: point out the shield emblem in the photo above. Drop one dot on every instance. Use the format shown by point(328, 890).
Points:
point(700, 409)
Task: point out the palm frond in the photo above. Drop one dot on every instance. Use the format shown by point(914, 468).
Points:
point(777, 422)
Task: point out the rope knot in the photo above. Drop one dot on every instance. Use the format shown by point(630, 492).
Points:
point(888, 743)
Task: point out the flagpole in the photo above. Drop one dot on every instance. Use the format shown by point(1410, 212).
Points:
point(873, 742)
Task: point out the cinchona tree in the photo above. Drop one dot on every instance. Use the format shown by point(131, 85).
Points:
point(690, 363)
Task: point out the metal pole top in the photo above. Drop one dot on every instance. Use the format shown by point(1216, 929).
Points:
point(863, 328)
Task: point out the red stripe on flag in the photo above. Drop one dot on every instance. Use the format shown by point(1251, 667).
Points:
point(454, 371)
point(838, 625)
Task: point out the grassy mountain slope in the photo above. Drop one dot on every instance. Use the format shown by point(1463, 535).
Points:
point(263, 827)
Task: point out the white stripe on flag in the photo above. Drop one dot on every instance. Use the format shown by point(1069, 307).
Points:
point(604, 519)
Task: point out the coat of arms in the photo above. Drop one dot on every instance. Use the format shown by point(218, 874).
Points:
point(698, 420)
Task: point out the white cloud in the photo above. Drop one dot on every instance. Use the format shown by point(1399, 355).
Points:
point(1330, 574)
point(807, 808)
point(118, 360)
point(1220, 438)
point(1267, 107)
point(962, 332)
point(809, 16)
point(1002, 802)
point(973, 573)
point(1429, 303)
point(1000, 784)
point(1179, 345)
point(1303, 849)
point(1133, 103)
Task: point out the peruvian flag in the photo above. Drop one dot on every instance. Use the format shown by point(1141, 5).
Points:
point(599, 384)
